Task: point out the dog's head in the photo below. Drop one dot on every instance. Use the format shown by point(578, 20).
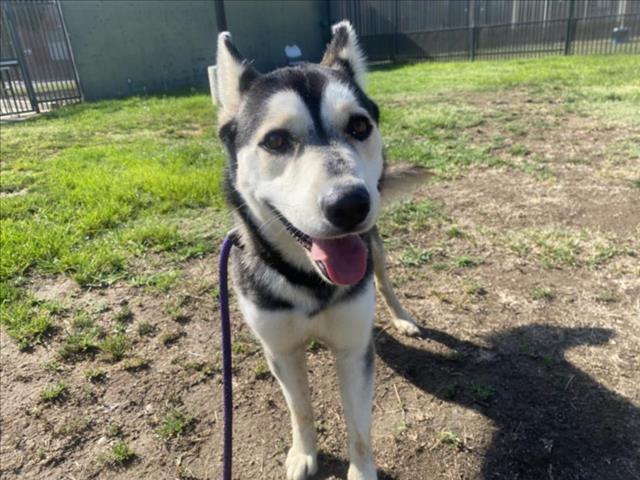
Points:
point(305, 153)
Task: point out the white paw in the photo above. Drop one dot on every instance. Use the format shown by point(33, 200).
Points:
point(300, 464)
point(406, 326)
point(366, 472)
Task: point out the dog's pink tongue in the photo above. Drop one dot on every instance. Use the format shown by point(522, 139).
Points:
point(344, 259)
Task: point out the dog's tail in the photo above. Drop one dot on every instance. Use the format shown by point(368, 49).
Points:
point(400, 181)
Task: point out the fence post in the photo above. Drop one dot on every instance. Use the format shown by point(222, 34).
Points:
point(19, 50)
point(471, 21)
point(396, 33)
point(474, 42)
point(571, 28)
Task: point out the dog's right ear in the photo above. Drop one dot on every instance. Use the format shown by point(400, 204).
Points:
point(234, 76)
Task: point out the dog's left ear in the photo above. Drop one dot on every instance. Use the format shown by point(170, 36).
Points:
point(344, 52)
point(234, 76)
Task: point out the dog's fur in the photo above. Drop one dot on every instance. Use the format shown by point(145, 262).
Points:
point(285, 296)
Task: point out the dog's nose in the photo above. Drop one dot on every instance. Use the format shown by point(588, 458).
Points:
point(346, 207)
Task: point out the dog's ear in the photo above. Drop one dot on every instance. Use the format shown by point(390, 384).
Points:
point(234, 76)
point(400, 181)
point(344, 52)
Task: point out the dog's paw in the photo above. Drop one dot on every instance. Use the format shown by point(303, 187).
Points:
point(301, 465)
point(406, 326)
point(366, 472)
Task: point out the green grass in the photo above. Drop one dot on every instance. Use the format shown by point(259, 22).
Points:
point(115, 346)
point(466, 261)
point(482, 392)
point(415, 256)
point(543, 293)
point(157, 282)
point(53, 393)
point(261, 371)
point(91, 190)
point(95, 375)
point(451, 438)
point(124, 315)
point(119, 455)
point(82, 339)
point(410, 215)
point(174, 424)
point(170, 338)
point(146, 329)
point(561, 247)
point(135, 364)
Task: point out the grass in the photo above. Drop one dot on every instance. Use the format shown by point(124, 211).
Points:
point(82, 339)
point(53, 393)
point(119, 455)
point(261, 371)
point(52, 366)
point(409, 215)
point(174, 424)
point(91, 191)
point(135, 364)
point(451, 438)
point(124, 315)
point(562, 247)
point(146, 329)
point(543, 293)
point(465, 261)
point(482, 392)
point(115, 346)
point(157, 282)
point(171, 337)
point(95, 375)
point(415, 256)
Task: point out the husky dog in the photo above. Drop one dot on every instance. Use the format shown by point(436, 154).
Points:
point(304, 177)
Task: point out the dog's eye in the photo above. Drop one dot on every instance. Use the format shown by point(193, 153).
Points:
point(277, 141)
point(359, 127)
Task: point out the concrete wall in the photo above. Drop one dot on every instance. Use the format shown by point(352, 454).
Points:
point(262, 28)
point(131, 47)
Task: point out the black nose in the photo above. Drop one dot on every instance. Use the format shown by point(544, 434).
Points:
point(346, 207)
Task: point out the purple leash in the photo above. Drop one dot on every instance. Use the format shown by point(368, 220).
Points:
point(229, 241)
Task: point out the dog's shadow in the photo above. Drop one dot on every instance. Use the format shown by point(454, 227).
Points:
point(333, 467)
point(553, 420)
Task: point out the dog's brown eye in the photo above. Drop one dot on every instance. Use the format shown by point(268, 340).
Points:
point(277, 141)
point(359, 127)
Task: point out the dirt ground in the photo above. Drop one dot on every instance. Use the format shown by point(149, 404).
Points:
point(527, 292)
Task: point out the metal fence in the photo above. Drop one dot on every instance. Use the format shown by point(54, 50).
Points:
point(37, 72)
point(413, 30)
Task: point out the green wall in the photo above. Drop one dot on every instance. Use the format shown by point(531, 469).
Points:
point(262, 28)
point(128, 47)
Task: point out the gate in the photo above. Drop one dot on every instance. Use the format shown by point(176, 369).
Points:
point(414, 30)
point(37, 72)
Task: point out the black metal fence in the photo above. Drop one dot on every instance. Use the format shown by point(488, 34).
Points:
point(37, 72)
point(413, 30)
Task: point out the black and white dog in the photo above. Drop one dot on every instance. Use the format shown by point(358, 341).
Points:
point(304, 177)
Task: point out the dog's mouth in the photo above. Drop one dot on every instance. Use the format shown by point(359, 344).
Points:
point(341, 260)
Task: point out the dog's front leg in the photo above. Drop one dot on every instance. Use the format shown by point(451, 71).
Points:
point(290, 370)
point(355, 373)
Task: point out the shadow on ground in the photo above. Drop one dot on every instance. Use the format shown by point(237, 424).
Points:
point(554, 421)
point(334, 467)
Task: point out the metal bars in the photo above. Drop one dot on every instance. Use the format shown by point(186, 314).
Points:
point(408, 30)
point(38, 72)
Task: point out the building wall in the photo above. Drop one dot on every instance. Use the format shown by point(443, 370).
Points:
point(262, 28)
point(131, 47)
point(128, 47)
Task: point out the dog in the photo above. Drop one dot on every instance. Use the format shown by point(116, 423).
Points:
point(304, 177)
